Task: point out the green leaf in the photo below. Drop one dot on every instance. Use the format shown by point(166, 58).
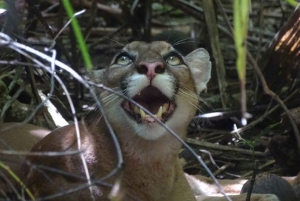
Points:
point(77, 31)
point(292, 2)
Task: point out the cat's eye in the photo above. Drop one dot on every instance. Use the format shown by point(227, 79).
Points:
point(173, 60)
point(124, 60)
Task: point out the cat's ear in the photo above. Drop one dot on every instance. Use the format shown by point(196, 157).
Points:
point(200, 68)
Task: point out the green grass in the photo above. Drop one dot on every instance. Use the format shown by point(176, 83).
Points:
point(78, 34)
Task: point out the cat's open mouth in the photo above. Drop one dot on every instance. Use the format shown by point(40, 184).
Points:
point(153, 100)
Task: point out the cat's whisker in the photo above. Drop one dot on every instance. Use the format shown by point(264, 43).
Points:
point(183, 96)
point(112, 99)
point(185, 40)
point(118, 102)
point(198, 97)
point(117, 42)
point(107, 98)
point(108, 92)
point(123, 37)
point(189, 94)
point(203, 101)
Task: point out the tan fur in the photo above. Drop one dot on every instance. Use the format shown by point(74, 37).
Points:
point(18, 137)
point(152, 171)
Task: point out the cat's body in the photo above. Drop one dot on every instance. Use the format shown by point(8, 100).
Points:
point(165, 83)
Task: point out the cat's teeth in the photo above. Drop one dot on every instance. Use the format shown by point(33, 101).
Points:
point(160, 112)
point(142, 113)
point(165, 107)
point(136, 109)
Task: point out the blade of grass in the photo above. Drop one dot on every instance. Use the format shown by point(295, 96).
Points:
point(292, 2)
point(2, 5)
point(241, 17)
point(17, 179)
point(78, 34)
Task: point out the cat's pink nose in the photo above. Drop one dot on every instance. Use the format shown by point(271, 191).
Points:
point(150, 69)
